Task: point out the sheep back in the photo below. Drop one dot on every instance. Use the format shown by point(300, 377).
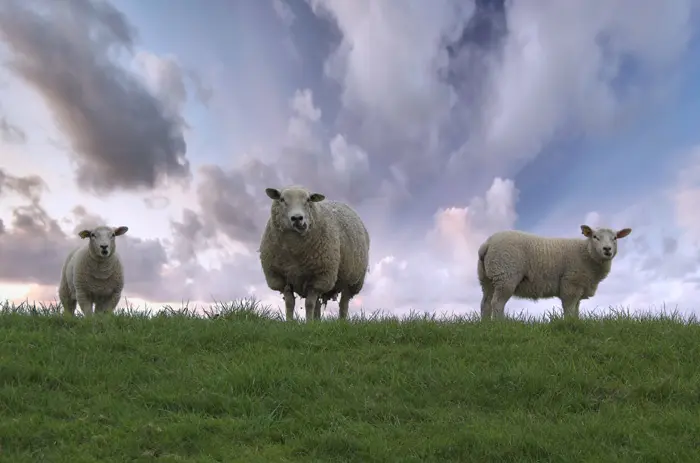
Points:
point(536, 266)
point(354, 250)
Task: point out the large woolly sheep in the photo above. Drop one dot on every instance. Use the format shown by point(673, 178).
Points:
point(527, 266)
point(315, 248)
point(93, 273)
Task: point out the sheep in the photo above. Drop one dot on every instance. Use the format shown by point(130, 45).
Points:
point(314, 248)
point(527, 266)
point(93, 273)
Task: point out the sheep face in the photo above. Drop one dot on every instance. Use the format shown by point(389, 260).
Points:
point(602, 243)
point(293, 208)
point(102, 244)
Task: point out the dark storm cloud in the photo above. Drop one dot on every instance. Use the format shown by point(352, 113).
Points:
point(33, 247)
point(234, 201)
point(486, 28)
point(122, 136)
point(471, 56)
point(196, 233)
point(30, 187)
point(189, 236)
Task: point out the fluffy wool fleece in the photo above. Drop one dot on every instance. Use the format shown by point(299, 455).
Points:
point(332, 257)
point(87, 280)
point(515, 263)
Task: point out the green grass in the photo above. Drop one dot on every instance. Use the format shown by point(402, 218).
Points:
point(246, 387)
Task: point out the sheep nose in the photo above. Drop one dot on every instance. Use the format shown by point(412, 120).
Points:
point(297, 218)
point(103, 246)
point(607, 248)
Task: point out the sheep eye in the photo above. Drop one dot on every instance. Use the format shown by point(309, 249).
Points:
point(92, 235)
point(113, 235)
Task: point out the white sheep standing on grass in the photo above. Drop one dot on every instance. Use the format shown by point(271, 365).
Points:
point(315, 248)
point(93, 273)
point(515, 263)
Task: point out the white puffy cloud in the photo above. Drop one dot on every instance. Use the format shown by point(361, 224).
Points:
point(390, 58)
point(561, 63)
point(438, 273)
point(491, 98)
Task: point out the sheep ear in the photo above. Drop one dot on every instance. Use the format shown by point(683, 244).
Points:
point(273, 193)
point(84, 234)
point(120, 231)
point(624, 232)
point(316, 197)
point(587, 231)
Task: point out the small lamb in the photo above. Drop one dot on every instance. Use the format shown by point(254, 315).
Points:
point(314, 247)
point(527, 266)
point(93, 273)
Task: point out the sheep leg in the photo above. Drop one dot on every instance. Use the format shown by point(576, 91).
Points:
point(108, 306)
point(85, 303)
point(67, 301)
point(343, 306)
point(570, 304)
point(288, 303)
point(486, 302)
point(310, 303)
point(99, 306)
point(317, 309)
point(68, 304)
point(501, 294)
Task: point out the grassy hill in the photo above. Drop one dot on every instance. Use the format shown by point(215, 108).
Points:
point(244, 387)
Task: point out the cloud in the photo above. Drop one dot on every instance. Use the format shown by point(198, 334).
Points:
point(686, 195)
point(168, 79)
point(543, 85)
point(400, 90)
point(29, 187)
point(439, 272)
point(10, 133)
point(156, 202)
point(284, 12)
point(447, 95)
point(303, 105)
point(123, 137)
point(232, 201)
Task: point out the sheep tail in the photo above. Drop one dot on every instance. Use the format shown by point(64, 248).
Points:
point(481, 270)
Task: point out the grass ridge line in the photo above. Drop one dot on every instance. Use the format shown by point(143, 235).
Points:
point(238, 384)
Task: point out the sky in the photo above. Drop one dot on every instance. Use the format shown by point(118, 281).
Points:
point(440, 122)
